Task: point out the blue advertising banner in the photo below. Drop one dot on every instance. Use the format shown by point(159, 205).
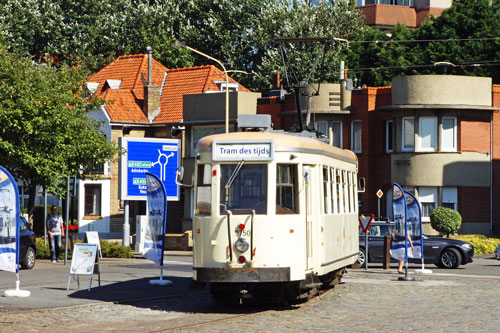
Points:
point(414, 223)
point(160, 157)
point(398, 244)
point(154, 240)
point(9, 222)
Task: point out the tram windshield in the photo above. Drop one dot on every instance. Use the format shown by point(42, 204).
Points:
point(248, 190)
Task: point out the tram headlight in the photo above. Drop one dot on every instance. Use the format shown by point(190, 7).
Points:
point(241, 245)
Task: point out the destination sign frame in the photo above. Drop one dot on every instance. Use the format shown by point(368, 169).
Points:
point(235, 150)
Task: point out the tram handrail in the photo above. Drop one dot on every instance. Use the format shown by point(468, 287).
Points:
point(251, 235)
point(229, 234)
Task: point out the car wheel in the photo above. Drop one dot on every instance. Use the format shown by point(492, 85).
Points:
point(361, 257)
point(450, 258)
point(29, 259)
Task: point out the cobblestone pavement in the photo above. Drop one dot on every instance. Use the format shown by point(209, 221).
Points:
point(367, 301)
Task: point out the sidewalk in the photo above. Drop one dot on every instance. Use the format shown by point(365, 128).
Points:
point(121, 280)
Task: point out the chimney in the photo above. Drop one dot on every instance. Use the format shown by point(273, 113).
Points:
point(152, 93)
point(276, 80)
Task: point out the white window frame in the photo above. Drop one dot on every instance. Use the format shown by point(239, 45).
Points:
point(450, 195)
point(427, 194)
point(357, 151)
point(233, 86)
point(435, 130)
point(340, 134)
point(387, 130)
point(443, 148)
point(324, 123)
point(403, 148)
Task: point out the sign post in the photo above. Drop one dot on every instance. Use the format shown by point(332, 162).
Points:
point(379, 196)
point(365, 220)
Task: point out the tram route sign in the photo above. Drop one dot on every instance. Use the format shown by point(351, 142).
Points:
point(160, 157)
point(258, 150)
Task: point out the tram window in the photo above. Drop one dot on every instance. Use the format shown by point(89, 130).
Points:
point(344, 188)
point(326, 187)
point(349, 188)
point(333, 191)
point(286, 189)
point(340, 199)
point(204, 190)
point(248, 190)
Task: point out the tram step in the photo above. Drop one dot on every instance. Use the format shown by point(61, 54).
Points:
point(313, 285)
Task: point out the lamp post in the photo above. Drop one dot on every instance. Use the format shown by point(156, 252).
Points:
point(179, 45)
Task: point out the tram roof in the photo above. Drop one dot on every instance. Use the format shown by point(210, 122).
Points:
point(281, 142)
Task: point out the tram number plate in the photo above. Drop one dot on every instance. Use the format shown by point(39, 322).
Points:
point(241, 233)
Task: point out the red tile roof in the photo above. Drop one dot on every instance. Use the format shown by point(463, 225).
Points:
point(184, 81)
point(125, 103)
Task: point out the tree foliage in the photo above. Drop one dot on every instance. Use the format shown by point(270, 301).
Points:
point(237, 32)
point(45, 134)
point(446, 220)
point(463, 20)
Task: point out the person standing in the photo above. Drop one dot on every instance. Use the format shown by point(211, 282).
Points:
point(54, 224)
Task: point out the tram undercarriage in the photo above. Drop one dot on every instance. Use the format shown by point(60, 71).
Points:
point(283, 293)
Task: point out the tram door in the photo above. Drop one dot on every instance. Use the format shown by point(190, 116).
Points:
point(307, 170)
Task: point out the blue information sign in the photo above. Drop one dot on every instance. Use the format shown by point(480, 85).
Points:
point(160, 157)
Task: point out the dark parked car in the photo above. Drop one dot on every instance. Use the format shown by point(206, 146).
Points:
point(443, 252)
point(27, 246)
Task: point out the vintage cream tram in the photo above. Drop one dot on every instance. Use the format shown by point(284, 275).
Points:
point(276, 215)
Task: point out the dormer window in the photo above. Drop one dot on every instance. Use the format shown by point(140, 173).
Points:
point(112, 84)
point(233, 86)
point(92, 87)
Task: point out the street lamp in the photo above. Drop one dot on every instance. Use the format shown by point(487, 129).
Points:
point(179, 45)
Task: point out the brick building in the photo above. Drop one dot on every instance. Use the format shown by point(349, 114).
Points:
point(384, 14)
point(436, 135)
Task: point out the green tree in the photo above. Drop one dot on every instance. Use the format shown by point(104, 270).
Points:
point(45, 134)
point(463, 20)
point(446, 220)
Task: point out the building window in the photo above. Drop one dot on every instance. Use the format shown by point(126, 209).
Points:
point(408, 130)
point(449, 134)
point(322, 127)
point(356, 137)
point(428, 199)
point(92, 200)
point(449, 197)
point(337, 133)
point(286, 189)
point(428, 133)
point(233, 86)
point(199, 132)
point(388, 136)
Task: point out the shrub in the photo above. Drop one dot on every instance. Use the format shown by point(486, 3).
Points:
point(42, 249)
point(446, 220)
point(482, 244)
point(115, 250)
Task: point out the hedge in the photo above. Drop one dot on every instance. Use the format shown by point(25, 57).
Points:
point(108, 249)
point(482, 244)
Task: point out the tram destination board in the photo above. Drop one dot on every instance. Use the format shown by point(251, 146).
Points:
point(262, 150)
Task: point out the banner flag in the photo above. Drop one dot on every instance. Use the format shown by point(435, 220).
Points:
point(398, 248)
point(414, 223)
point(154, 241)
point(9, 222)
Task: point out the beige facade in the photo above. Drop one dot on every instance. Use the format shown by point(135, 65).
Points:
point(441, 90)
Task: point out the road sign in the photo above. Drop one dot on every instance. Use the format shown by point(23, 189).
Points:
point(160, 157)
point(365, 220)
point(380, 194)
